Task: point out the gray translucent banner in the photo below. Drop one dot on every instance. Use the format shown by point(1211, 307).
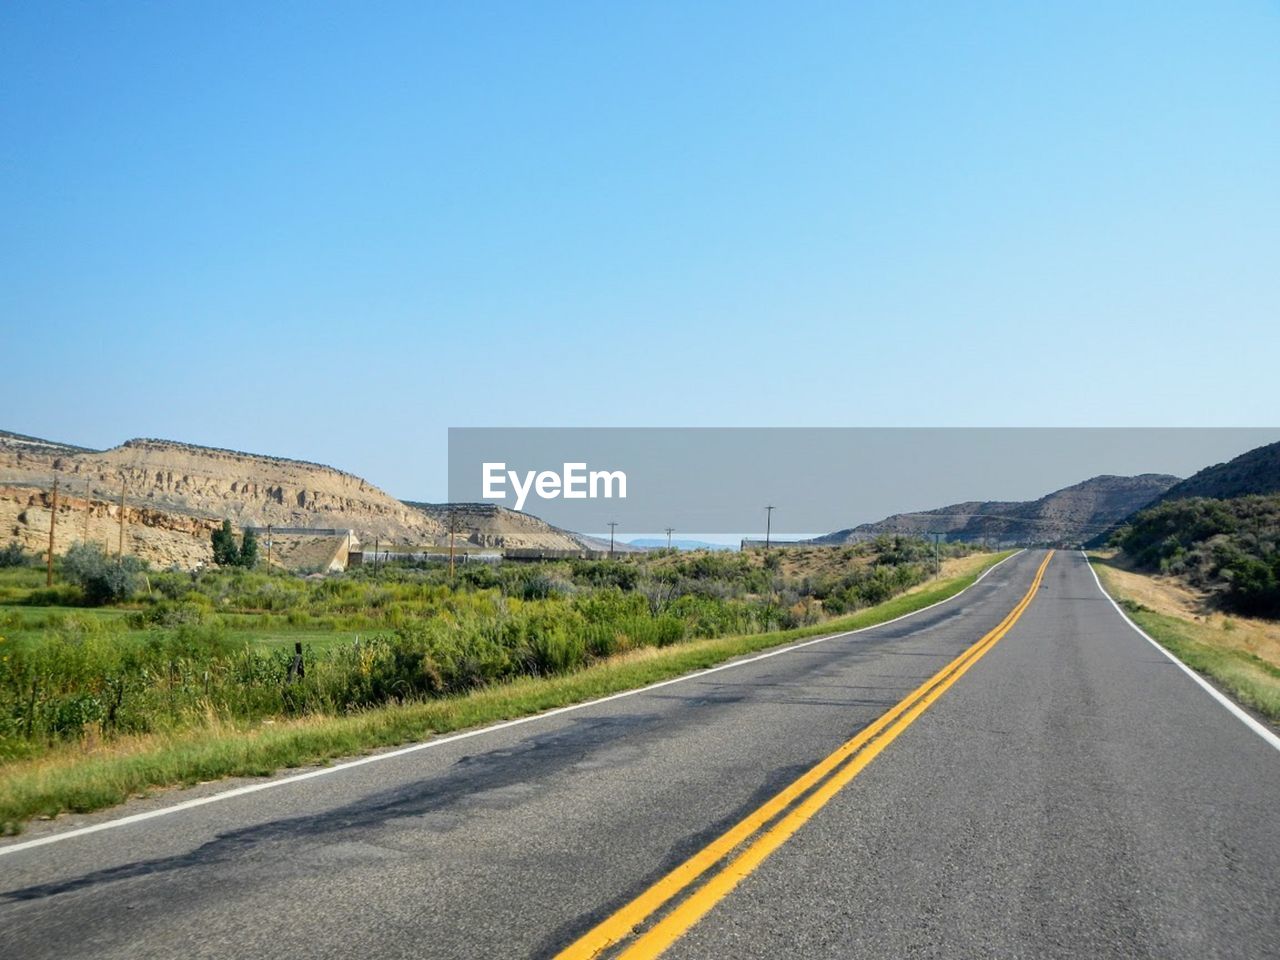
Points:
point(720, 480)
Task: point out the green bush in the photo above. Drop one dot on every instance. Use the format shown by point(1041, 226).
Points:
point(1228, 547)
point(13, 555)
point(100, 578)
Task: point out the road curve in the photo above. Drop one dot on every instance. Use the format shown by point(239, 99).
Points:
point(1071, 792)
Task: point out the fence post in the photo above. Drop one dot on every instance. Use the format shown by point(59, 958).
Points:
point(297, 669)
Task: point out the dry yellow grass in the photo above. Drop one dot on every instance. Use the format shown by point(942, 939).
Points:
point(1173, 598)
point(958, 567)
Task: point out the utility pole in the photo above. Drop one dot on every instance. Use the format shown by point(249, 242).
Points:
point(612, 526)
point(937, 567)
point(88, 508)
point(53, 522)
point(453, 530)
point(670, 530)
point(268, 548)
point(375, 558)
point(120, 540)
point(768, 526)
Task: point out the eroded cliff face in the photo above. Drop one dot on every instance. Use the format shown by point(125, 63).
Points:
point(258, 490)
point(176, 493)
point(160, 537)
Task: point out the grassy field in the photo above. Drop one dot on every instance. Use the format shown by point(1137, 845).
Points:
point(1241, 655)
point(133, 651)
point(91, 773)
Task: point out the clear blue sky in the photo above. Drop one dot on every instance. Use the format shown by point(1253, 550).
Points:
point(331, 231)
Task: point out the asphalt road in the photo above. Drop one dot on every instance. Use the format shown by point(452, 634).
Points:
point(1073, 794)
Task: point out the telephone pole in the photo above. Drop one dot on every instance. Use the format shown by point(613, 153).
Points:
point(53, 522)
point(670, 530)
point(937, 566)
point(612, 526)
point(268, 548)
point(768, 526)
point(120, 540)
point(88, 508)
point(453, 530)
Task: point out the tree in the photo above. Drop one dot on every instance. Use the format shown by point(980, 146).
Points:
point(225, 551)
point(248, 549)
point(103, 579)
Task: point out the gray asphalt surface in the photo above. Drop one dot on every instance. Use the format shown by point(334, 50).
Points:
point(1074, 794)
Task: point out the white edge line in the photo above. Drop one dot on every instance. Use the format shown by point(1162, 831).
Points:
point(1239, 712)
point(453, 738)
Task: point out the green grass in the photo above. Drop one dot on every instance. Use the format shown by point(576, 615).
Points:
point(72, 779)
point(1246, 678)
point(284, 636)
point(20, 622)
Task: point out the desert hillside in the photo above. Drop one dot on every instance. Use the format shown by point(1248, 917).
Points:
point(176, 493)
point(1070, 515)
point(1254, 472)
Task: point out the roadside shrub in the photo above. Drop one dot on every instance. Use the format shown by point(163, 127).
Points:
point(540, 587)
point(1230, 548)
point(13, 555)
point(174, 613)
point(101, 578)
point(554, 651)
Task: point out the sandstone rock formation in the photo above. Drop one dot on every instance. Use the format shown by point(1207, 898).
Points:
point(176, 493)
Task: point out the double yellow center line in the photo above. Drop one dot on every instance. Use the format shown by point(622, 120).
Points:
point(767, 828)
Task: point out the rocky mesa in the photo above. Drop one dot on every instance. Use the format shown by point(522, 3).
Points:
point(1072, 515)
point(175, 493)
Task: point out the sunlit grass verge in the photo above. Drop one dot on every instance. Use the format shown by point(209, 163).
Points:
point(1246, 678)
point(79, 779)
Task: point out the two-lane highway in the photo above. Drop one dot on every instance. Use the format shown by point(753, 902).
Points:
point(1015, 772)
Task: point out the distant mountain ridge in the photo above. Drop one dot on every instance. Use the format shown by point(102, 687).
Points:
point(1073, 514)
point(1256, 471)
